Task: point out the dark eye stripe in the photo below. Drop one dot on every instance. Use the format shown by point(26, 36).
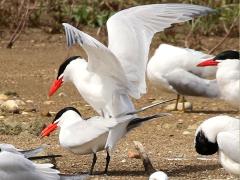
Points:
point(65, 63)
point(60, 113)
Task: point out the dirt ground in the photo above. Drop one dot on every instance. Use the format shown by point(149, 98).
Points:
point(29, 69)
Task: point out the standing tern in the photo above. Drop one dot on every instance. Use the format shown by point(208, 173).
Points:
point(174, 69)
point(228, 75)
point(95, 134)
point(220, 134)
point(113, 73)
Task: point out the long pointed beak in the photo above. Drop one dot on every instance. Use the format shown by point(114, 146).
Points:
point(210, 62)
point(47, 131)
point(56, 84)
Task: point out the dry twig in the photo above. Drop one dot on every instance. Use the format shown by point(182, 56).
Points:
point(146, 161)
point(225, 37)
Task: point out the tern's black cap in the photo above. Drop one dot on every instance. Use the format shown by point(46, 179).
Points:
point(227, 55)
point(60, 113)
point(65, 63)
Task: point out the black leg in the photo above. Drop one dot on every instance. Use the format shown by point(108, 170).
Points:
point(93, 163)
point(107, 162)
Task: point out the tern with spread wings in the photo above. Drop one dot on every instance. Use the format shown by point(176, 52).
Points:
point(114, 73)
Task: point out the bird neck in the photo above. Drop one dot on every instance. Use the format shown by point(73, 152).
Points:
point(75, 71)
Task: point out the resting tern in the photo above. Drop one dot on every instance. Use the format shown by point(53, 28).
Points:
point(220, 134)
point(27, 153)
point(15, 166)
point(95, 134)
point(174, 69)
point(228, 75)
point(113, 73)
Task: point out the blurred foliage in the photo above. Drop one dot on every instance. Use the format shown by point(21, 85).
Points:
point(49, 14)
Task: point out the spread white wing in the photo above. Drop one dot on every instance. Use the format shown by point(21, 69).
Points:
point(100, 59)
point(130, 33)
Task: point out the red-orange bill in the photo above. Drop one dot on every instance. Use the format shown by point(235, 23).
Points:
point(56, 84)
point(47, 131)
point(208, 63)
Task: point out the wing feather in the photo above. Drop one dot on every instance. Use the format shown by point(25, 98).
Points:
point(100, 59)
point(130, 33)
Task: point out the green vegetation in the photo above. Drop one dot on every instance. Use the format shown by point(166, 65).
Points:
point(49, 14)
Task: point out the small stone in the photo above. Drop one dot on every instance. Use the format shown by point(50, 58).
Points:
point(25, 113)
point(10, 106)
point(3, 97)
point(132, 154)
point(62, 94)
point(186, 132)
point(29, 101)
point(171, 107)
point(48, 102)
point(1, 117)
point(20, 102)
point(123, 161)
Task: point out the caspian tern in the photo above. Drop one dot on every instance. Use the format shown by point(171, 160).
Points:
point(158, 175)
point(15, 166)
point(113, 73)
point(228, 75)
point(220, 134)
point(95, 134)
point(27, 153)
point(174, 69)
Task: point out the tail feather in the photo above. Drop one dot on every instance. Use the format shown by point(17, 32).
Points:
point(44, 157)
point(137, 121)
point(149, 106)
point(32, 152)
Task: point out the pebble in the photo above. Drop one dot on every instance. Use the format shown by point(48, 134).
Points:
point(186, 132)
point(3, 97)
point(132, 154)
point(1, 117)
point(62, 94)
point(188, 106)
point(48, 102)
point(25, 113)
point(20, 102)
point(10, 106)
point(29, 101)
point(124, 160)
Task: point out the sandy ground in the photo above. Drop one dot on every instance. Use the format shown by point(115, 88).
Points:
point(29, 69)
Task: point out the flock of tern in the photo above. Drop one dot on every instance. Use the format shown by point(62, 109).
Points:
point(112, 75)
